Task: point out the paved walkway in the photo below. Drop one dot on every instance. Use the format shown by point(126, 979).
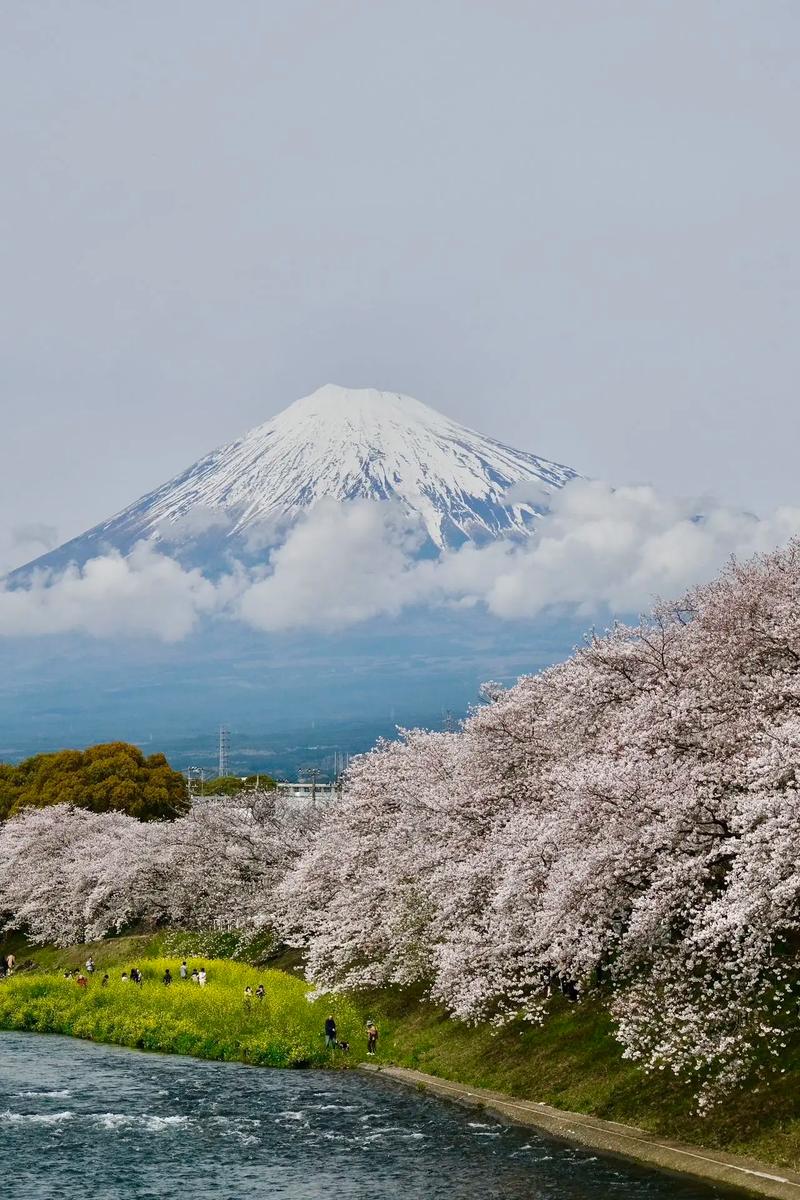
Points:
point(713, 1166)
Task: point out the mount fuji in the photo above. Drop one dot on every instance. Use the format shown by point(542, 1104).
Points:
point(339, 443)
point(305, 690)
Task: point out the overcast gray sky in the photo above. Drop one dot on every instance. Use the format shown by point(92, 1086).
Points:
point(570, 225)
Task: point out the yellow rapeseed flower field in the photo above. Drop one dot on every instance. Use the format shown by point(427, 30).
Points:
point(285, 1029)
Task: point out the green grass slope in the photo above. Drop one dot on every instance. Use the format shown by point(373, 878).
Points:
point(574, 1062)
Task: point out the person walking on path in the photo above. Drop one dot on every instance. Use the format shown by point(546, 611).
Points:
point(330, 1033)
point(201, 977)
point(167, 977)
point(372, 1037)
point(184, 971)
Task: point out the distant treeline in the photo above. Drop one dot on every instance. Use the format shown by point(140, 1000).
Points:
point(231, 785)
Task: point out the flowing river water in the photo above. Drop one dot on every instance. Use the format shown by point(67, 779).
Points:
point(85, 1120)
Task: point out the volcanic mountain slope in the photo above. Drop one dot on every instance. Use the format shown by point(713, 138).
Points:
point(338, 443)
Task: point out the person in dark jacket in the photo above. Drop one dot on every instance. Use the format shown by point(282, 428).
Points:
point(330, 1033)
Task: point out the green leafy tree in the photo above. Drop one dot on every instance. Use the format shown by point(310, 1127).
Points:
point(113, 777)
point(231, 785)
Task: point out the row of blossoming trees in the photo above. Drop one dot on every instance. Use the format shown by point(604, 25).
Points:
point(68, 875)
point(626, 822)
point(628, 819)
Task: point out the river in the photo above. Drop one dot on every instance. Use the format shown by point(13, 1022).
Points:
point(85, 1120)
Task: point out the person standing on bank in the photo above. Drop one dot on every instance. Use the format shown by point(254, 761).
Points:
point(330, 1033)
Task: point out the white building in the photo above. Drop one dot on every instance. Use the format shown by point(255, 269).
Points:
point(307, 792)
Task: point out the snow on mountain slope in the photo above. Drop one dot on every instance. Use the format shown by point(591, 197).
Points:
point(343, 444)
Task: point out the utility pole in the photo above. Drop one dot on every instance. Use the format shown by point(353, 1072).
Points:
point(224, 751)
point(313, 774)
point(340, 766)
point(196, 773)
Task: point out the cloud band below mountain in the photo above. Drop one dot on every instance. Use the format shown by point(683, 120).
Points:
point(600, 550)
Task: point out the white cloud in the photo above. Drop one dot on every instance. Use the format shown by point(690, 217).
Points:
point(21, 543)
point(340, 564)
point(600, 549)
point(147, 594)
point(617, 549)
point(529, 492)
point(203, 518)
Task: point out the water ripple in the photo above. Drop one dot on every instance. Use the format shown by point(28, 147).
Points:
point(147, 1125)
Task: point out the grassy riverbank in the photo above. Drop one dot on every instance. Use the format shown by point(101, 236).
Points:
point(571, 1062)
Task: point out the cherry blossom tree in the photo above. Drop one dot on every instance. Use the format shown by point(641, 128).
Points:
point(68, 875)
point(63, 874)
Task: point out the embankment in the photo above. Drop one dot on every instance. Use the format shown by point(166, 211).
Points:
point(573, 1063)
point(611, 1137)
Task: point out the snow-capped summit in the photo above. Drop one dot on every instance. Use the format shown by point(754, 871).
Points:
point(344, 444)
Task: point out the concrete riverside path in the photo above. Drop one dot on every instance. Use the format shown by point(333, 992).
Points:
point(626, 1141)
